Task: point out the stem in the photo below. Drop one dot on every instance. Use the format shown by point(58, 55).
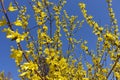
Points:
point(16, 4)
point(49, 18)
point(5, 13)
point(113, 67)
point(19, 46)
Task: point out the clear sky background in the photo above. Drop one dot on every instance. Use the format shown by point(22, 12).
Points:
point(96, 8)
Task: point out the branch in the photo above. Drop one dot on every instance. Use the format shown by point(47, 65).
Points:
point(16, 4)
point(5, 13)
point(113, 67)
point(49, 14)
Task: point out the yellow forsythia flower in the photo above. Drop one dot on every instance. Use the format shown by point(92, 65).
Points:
point(84, 47)
point(40, 23)
point(14, 35)
point(82, 5)
point(29, 66)
point(100, 39)
point(21, 37)
point(85, 78)
point(43, 14)
point(109, 36)
point(117, 74)
point(18, 22)
point(11, 7)
point(45, 28)
point(17, 55)
point(3, 22)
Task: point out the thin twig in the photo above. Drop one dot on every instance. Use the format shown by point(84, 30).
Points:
point(16, 4)
point(113, 67)
point(49, 14)
point(5, 13)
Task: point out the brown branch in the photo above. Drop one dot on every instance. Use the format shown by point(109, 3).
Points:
point(50, 18)
point(113, 67)
point(5, 13)
point(16, 4)
point(19, 46)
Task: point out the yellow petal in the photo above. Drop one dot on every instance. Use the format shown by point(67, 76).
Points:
point(18, 22)
point(11, 7)
point(3, 22)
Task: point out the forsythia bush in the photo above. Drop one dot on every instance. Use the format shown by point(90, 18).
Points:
point(42, 57)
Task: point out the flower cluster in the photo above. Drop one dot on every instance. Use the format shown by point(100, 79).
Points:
point(14, 35)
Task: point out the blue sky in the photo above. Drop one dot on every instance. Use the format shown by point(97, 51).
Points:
point(96, 8)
